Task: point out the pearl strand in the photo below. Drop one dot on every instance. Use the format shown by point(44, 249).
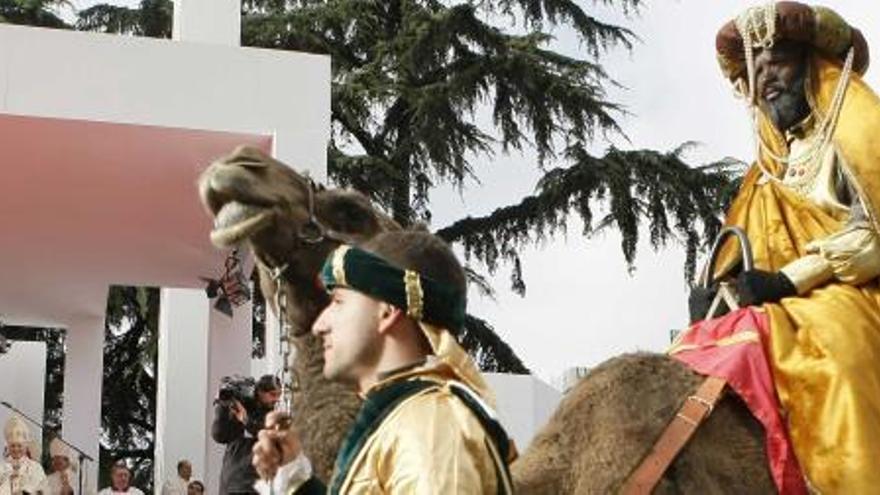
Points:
point(748, 25)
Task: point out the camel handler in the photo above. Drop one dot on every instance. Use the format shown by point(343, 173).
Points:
point(809, 205)
point(426, 424)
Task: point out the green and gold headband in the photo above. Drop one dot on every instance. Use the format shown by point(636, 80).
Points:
point(423, 298)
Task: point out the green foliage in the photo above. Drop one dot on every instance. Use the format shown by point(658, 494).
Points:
point(488, 350)
point(409, 79)
point(638, 188)
point(410, 76)
point(152, 19)
point(128, 397)
point(42, 13)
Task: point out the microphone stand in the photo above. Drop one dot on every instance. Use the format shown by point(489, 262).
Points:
point(82, 455)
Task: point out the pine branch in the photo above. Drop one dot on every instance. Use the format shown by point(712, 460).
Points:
point(407, 84)
point(152, 19)
point(639, 187)
point(488, 350)
point(42, 13)
point(597, 36)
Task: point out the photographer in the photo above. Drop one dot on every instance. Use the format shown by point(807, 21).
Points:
point(239, 413)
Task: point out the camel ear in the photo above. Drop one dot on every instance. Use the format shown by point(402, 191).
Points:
point(251, 157)
point(348, 211)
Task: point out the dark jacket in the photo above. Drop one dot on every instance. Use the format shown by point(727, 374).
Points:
point(238, 474)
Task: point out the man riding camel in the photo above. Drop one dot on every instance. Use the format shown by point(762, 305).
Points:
point(809, 205)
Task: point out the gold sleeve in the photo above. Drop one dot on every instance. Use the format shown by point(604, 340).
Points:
point(436, 446)
point(853, 253)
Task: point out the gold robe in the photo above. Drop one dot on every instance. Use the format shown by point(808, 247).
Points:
point(431, 443)
point(825, 343)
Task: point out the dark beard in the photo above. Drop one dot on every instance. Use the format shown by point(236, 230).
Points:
point(790, 107)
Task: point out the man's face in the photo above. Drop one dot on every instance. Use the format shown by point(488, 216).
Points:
point(780, 72)
point(15, 450)
point(348, 327)
point(120, 478)
point(185, 470)
point(268, 398)
point(60, 463)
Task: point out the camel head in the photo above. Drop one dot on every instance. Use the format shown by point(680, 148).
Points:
point(257, 200)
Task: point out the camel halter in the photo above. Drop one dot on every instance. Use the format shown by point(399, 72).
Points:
point(311, 232)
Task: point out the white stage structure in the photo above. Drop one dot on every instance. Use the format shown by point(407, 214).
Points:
point(103, 138)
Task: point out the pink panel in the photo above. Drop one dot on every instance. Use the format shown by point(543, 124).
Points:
point(82, 203)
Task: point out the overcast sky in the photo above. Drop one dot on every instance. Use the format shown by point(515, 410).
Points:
point(581, 306)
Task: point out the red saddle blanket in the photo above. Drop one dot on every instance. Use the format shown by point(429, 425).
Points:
point(732, 347)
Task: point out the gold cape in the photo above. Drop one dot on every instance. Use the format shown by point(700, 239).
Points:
point(825, 344)
point(431, 443)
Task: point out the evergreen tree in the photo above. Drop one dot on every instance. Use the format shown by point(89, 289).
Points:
point(409, 79)
point(128, 395)
point(42, 13)
point(152, 18)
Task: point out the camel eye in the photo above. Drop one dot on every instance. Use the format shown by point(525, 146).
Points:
point(252, 164)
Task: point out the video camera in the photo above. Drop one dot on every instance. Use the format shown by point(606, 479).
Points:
point(240, 388)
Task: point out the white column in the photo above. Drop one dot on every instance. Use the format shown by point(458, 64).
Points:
point(208, 21)
point(229, 353)
point(83, 373)
point(182, 383)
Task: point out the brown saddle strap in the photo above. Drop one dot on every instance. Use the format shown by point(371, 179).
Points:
point(695, 409)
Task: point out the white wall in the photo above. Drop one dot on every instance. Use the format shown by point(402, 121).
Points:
point(22, 381)
point(121, 79)
point(524, 403)
point(208, 21)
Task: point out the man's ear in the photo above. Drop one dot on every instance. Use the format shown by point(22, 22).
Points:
point(389, 316)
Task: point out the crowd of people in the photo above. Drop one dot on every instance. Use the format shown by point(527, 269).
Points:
point(237, 422)
point(21, 472)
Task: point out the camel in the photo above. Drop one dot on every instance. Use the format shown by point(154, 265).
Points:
point(602, 429)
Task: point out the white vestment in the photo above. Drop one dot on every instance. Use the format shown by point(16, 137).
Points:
point(27, 477)
point(52, 485)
